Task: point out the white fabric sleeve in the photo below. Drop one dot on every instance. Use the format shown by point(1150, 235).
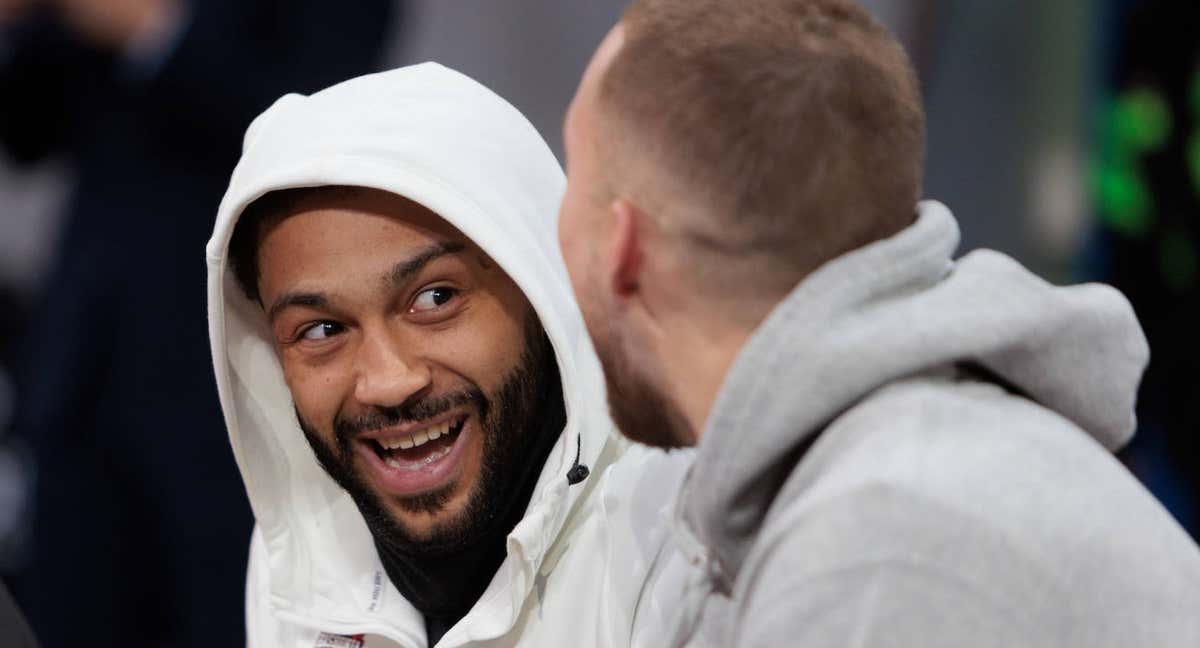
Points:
point(261, 627)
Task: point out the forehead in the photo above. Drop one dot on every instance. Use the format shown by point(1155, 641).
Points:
point(333, 236)
point(589, 86)
point(602, 59)
point(314, 219)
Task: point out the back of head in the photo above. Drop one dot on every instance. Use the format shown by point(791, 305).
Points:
point(769, 135)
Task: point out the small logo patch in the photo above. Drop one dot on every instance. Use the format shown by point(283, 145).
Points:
point(326, 640)
point(376, 592)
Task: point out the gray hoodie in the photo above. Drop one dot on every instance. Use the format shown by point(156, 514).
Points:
point(915, 451)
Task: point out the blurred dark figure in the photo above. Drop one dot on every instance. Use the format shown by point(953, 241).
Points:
point(140, 521)
point(1147, 189)
point(13, 626)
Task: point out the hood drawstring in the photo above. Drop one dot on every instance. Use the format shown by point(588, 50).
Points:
point(578, 471)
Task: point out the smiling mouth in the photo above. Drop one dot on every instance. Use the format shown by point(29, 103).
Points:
point(416, 450)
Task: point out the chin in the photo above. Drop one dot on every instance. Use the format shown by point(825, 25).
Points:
point(428, 511)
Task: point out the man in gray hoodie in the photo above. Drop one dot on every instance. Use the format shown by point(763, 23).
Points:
point(895, 448)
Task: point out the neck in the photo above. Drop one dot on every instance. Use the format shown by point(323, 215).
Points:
point(697, 358)
point(445, 587)
point(444, 584)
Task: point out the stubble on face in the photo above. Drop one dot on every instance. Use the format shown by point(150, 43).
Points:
point(641, 409)
point(638, 404)
point(510, 419)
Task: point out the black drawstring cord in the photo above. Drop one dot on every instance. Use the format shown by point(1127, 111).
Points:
point(578, 471)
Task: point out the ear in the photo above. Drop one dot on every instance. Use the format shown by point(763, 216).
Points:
point(625, 253)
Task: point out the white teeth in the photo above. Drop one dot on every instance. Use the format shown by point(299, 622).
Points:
point(429, 434)
point(392, 462)
point(416, 440)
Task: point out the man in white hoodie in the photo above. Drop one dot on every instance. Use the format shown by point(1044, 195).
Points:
point(409, 389)
point(895, 448)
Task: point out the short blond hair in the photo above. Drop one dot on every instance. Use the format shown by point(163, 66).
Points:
point(797, 124)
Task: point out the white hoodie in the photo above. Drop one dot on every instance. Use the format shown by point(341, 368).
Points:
point(579, 560)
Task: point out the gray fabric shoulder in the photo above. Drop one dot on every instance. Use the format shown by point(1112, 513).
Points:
point(948, 512)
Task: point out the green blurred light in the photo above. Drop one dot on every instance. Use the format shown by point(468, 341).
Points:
point(1196, 92)
point(1141, 121)
point(1179, 262)
point(1124, 200)
point(1193, 155)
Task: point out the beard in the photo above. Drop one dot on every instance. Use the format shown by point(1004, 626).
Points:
point(639, 407)
point(510, 419)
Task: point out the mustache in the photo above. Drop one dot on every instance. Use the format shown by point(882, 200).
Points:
point(377, 418)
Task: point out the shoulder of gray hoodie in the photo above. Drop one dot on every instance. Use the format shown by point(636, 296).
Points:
point(912, 451)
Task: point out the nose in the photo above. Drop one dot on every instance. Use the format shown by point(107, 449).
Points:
point(388, 373)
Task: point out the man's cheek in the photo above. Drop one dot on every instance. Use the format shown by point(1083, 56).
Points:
point(485, 352)
point(574, 258)
point(316, 394)
point(589, 305)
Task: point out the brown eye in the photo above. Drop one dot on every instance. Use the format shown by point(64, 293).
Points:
point(322, 331)
point(432, 299)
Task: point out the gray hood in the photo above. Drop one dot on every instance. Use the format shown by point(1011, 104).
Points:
point(896, 308)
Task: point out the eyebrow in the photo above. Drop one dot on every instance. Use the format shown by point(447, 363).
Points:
point(403, 271)
point(399, 273)
point(289, 299)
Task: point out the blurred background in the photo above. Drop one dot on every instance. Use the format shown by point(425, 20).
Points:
point(1066, 134)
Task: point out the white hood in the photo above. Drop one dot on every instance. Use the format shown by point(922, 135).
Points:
point(440, 139)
